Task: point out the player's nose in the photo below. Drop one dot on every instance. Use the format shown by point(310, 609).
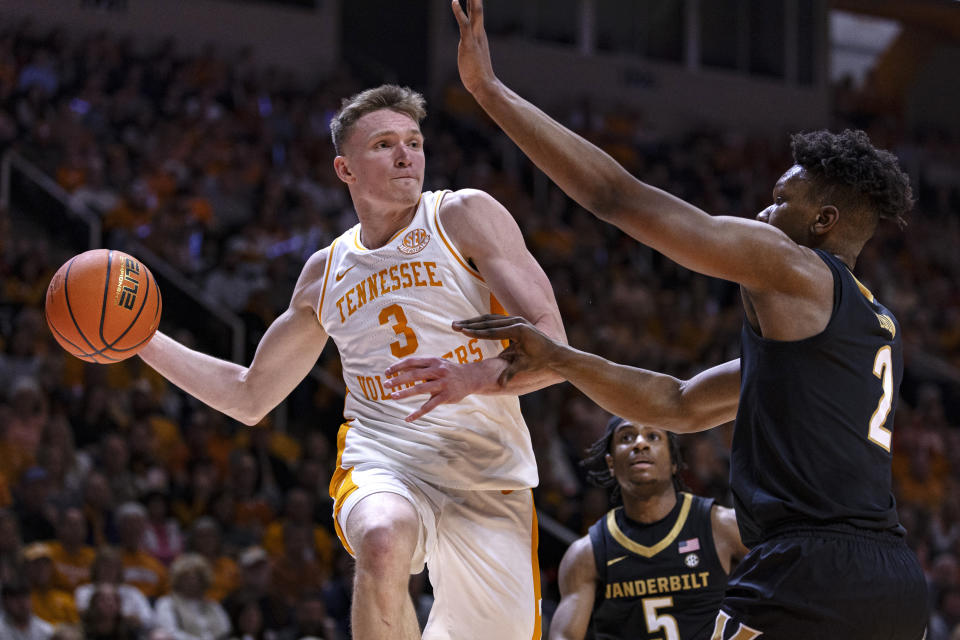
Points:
point(764, 216)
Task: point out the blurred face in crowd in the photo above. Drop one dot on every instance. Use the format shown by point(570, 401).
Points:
point(191, 584)
point(383, 161)
point(39, 572)
point(131, 528)
point(299, 506)
point(257, 576)
point(311, 615)
point(9, 536)
point(17, 607)
point(114, 454)
point(107, 569)
point(72, 529)
point(105, 602)
point(97, 491)
point(206, 539)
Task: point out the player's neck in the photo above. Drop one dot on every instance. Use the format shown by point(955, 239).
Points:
point(379, 223)
point(647, 509)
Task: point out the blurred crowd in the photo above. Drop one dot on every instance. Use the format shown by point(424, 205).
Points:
point(129, 510)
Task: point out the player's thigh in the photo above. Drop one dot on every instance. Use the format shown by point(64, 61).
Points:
point(386, 519)
point(484, 570)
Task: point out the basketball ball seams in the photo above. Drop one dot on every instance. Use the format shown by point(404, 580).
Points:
point(103, 314)
point(72, 310)
point(73, 318)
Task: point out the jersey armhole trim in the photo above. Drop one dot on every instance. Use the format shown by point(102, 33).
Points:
point(326, 275)
point(449, 245)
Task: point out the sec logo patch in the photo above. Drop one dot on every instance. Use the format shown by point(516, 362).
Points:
point(414, 241)
point(691, 560)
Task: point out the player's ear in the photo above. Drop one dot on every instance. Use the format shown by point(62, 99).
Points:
point(609, 460)
point(343, 170)
point(827, 218)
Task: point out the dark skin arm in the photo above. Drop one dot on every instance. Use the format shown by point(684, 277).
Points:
point(643, 397)
point(578, 584)
point(788, 289)
point(726, 537)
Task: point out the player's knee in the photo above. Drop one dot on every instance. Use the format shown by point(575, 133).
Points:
point(386, 546)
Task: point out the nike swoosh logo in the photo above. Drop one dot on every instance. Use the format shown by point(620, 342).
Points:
point(615, 560)
point(339, 276)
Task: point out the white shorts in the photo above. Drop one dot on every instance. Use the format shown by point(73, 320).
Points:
point(480, 548)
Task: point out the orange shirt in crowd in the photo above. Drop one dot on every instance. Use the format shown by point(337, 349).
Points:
point(70, 570)
point(54, 606)
point(146, 573)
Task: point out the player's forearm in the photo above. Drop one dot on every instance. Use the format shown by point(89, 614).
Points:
point(646, 397)
point(581, 169)
point(218, 383)
point(488, 374)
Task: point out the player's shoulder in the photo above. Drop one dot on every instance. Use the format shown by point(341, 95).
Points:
point(310, 283)
point(578, 560)
point(467, 205)
point(723, 521)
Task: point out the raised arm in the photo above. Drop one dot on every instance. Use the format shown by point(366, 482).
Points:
point(487, 235)
point(723, 247)
point(645, 397)
point(285, 355)
point(578, 585)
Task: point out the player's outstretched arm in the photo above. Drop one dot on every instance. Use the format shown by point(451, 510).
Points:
point(285, 355)
point(486, 234)
point(645, 397)
point(723, 247)
point(578, 584)
point(726, 537)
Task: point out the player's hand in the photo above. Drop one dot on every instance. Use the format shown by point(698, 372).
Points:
point(473, 53)
point(530, 349)
point(445, 381)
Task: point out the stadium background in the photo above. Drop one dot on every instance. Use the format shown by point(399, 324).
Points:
point(193, 134)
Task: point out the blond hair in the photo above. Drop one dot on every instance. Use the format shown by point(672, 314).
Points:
point(186, 564)
point(386, 96)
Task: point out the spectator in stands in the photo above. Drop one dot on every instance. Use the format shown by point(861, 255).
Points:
point(205, 540)
point(298, 569)
point(247, 623)
point(17, 621)
point(72, 559)
point(9, 547)
point(140, 569)
point(311, 620)
point(187, 613)
point(113, 459)
point(298, 512)
point(33, 510)
point(104, 619)
point(54, 605)
point(162, 537)
point(108, 570)
point(98, 509)
point(256, 583)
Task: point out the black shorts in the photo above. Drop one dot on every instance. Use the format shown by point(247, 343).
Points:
point(842, 583)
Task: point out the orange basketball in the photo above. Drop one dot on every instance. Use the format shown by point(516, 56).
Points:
point(103, 306)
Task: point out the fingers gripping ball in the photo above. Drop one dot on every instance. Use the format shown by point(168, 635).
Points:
point(103, 306)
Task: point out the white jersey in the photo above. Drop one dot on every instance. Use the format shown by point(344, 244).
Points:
point(382, 305)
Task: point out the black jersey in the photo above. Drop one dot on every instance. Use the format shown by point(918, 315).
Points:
point(811, 445)
point(659, 580)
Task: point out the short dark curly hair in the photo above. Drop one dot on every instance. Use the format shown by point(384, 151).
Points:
point(599, 474)
point(847, 167)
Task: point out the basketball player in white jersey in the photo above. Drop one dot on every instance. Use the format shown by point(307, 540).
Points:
point(451, 488)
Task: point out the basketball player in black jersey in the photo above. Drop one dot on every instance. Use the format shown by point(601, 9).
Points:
point(813, 393)
point(655, 567)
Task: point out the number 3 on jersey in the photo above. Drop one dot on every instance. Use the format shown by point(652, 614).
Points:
point(408, 342)
point(883, 369)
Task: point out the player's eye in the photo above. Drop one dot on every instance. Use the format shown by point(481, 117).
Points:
point(778, 200)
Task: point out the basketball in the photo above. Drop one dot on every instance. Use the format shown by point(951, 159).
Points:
point(103, 306)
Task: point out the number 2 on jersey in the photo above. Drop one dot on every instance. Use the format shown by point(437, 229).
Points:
point(408, 344)
point(883, 369)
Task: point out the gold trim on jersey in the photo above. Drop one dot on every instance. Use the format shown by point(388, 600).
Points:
point(449, 245)
point(866, 292)
point(326, 276)
point(356, 236)
point(535, 566)
point(341, 484)
point(639, 549)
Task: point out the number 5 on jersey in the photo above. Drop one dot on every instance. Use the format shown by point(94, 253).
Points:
point(407, 343)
